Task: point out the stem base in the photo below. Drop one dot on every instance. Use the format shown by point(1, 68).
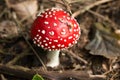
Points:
point(53, 58)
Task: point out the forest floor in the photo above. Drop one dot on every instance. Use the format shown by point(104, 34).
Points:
point(96, 56)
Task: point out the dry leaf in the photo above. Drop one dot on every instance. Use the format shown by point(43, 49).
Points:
point(8, 29)
point(24, 9)
point(104, 43)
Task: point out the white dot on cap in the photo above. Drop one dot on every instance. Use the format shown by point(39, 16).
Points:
point(42, 46)
point(49, 12)
point(46, 16)
point(37, 35)
point(54, 24)
point(75, 42)
point(63, 45)
point(75, 25)
point(65, 12)
point(46, 13)
point(38, 40)
point(55, 40)
point(34, 42)
point(75, 30)
point(58, 37)
point(50, 15)
point(50, 42)
point(61, 20)
point(53, 46)
point(69, 44)
point(63, 16)
point(56, 49)
point(46, 22)
point(46, 44)
point(54, 11)
point(43, 31)
point(38, 45)
point(63, 32)
point(55, 18)
point(68, 18)
point(48, 26)
point(70, 37)
point(39, 30)
point(61, 39)
point(51, 33)
point(76, 36)
point(59, 45)
point(70, 30)
point(35, 38)
point(49, 49)
point(65, 40)
point(46, 38)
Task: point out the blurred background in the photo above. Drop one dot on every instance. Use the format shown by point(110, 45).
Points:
point(96, 56)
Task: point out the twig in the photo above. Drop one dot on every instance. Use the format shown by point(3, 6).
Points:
point(57, 2)
point(2, 77)
point(14, 60)
point(35, 53)
point(19, 25)
point(75, 14)
point(52, 75)
point(75, 1)
point(1, 14)
point(67, 6)
point(15, 71)
point(113, 76)
point(20, 29)
point(75, 56)
point(101, 76)
point(61, 4)
point(104, 18)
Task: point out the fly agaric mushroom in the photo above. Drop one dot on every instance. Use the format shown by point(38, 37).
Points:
point(53, 30)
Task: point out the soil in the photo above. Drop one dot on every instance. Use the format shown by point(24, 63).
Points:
point(20, 59)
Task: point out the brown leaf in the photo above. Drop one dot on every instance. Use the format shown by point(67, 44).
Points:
point(104, 44)
point(24, 9)
point(8, 29)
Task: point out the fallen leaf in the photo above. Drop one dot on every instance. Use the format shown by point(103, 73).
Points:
point(8, 29)
point(105, 43)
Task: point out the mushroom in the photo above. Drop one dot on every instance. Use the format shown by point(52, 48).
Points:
point(53, 30)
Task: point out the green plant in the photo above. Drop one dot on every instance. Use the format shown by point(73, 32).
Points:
point(37, 77)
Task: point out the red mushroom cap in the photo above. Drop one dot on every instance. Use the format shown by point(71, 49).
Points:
point(55, 29)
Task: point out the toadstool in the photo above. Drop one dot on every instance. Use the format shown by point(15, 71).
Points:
point(53, 30)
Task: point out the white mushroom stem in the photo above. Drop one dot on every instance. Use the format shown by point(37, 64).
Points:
point(53, 58)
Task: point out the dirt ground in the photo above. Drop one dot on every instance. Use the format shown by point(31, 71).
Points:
point(96, 56)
